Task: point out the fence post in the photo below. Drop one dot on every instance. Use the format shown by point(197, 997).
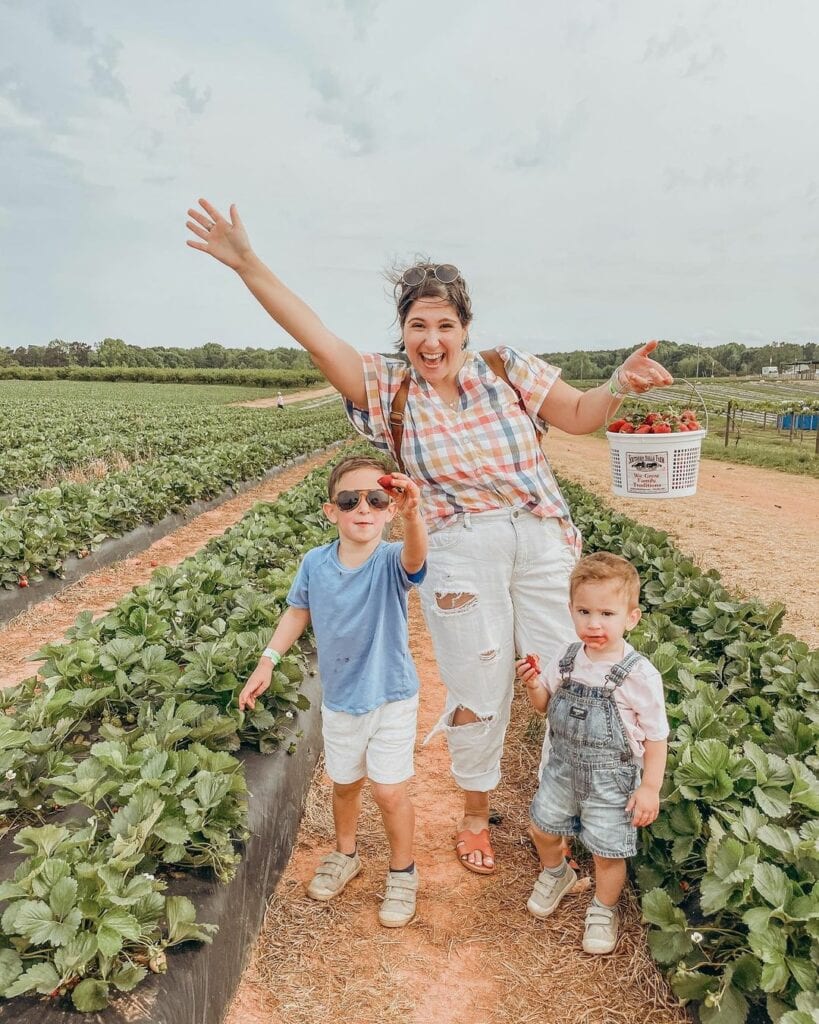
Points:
point(727, 422)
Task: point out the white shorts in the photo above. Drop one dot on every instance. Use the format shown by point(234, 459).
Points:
point(379, 745)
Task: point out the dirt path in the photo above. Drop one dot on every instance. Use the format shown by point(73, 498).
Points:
point(99, 591)
point(296, 396)
point(473, 953)
point(758, 527)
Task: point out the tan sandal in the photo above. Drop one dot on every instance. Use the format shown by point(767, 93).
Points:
point(467, 842)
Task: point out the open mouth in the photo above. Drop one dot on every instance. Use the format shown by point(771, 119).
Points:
point(431, 360)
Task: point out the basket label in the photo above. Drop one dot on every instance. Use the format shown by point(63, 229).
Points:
point(647, 472)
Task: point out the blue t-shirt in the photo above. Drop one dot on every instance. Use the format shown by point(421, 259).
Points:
point(359, 617)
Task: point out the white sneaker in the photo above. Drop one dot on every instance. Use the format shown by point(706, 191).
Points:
point(332, 875)
point(398, 907)
point(602, 928)
point(549, 890)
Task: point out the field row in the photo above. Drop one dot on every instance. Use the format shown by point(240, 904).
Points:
point(39, 529)
point(49, 431)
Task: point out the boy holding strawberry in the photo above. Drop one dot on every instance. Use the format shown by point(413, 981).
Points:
point(605, 753)
point(354, 592)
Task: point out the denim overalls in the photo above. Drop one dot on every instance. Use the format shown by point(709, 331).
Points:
point(591, 772)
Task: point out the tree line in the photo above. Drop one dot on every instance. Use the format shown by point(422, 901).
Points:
point(115, 352)
point(685, 360)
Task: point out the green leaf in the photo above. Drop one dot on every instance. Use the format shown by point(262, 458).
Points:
point(805, 789)
point(731, 1009)
point(659, 910)
point(11, 967)
point(40, 977)
point(688, 985)
point(34, 920)
point(63, 897)
point(772, 801)
point(129, 977)
point(772, 884)
point(668, 947)
point(803, 971)
point(774, 977)
point(90, 995)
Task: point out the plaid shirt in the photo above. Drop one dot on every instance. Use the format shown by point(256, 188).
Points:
point(483, 455)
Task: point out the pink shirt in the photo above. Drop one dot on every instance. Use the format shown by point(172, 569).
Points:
point(640, 699)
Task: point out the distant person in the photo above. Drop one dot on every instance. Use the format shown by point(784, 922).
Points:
point(467, 426)
point(354, 593)
point(279, 400)
point(605, 754)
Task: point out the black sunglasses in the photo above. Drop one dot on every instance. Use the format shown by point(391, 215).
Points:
point(446, 273)
point(346, 501)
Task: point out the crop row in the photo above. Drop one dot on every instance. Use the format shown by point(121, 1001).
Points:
point(130, 725)
point(47, 430)
point(730, 870)
point(40, 529)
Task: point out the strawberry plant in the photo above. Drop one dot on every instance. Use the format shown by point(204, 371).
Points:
point(730, 870)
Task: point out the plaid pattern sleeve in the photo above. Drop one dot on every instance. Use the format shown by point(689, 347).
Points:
point(532, 377)
point(382, 379)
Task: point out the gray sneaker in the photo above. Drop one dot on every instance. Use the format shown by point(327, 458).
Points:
point(332, 874)
point(549, 890)
point(602, 928)
point(398, 907)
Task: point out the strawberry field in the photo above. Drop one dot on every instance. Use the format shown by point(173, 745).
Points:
point(117, 770)
point(81, 463)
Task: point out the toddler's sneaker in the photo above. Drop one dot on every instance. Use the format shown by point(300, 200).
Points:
point(549, 890)
point(398, 907)
point(332, 874)
point(602, 928)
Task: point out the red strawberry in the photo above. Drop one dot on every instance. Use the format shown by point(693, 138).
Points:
point(688, 414)
point(533, 660)
point(693, 425)
point(645, 428)
point(616, 426)
point(661, 428)
point(23, 581)
point(627, 428)
point(154, 563)
point(386, 481)
point(652, 418)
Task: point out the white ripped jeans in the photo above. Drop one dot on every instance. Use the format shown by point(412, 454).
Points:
point(497, 585)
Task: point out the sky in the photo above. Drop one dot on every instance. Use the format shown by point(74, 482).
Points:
point(601, 172)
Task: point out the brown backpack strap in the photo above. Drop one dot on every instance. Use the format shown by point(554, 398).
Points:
point(493, 360)
point(397, 418)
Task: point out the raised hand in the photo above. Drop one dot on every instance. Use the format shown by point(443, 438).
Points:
point(639, 373)
point(225, 240)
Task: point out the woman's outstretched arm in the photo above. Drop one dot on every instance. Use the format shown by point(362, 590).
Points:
point(227, 241)
point(582, 412)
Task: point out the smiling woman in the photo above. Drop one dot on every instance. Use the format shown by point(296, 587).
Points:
point(467, 427)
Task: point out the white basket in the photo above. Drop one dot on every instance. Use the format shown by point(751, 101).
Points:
point(655, 465)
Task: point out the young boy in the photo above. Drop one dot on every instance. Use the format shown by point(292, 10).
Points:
point(607, 728)
point(354, 591)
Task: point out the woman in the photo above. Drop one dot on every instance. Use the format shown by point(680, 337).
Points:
point(466, 425)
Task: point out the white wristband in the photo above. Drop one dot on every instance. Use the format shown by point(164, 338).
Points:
point(274, 656)
point(615, 386)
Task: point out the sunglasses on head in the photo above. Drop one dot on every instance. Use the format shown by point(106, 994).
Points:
point(346, 501)
point(446, 273)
